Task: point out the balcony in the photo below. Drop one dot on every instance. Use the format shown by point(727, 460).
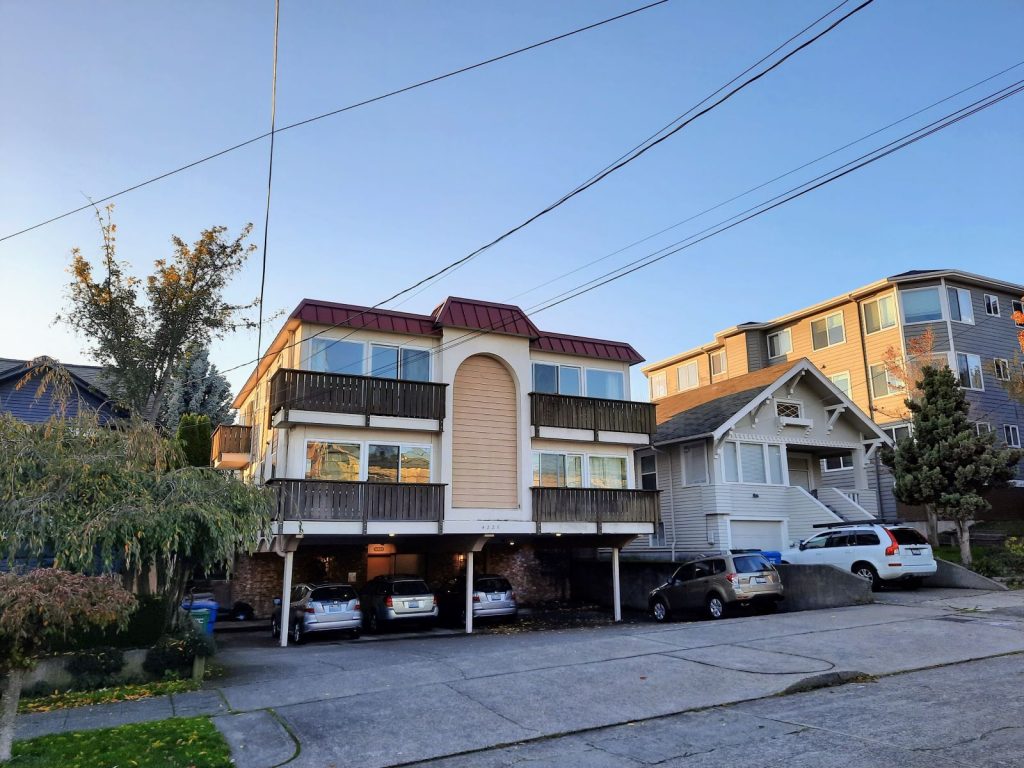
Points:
point(231, 446)
point(309, 397)
point(591, 418)
point(610, 510)
point(339, 506)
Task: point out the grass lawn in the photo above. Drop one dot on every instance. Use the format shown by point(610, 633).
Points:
point(104, 695)
point(191, 742)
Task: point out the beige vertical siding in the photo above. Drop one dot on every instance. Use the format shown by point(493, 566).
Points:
point(484, 436)
point(736, 355)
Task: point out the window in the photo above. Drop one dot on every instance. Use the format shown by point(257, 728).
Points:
point(787, 410)
point(883, 383)
point(780, 343)
point(752, 463)
point(688, 376)
point(865, 539)
point(907, 536)
point(607, 472)
point(332, 461)
point(828, 331)
point(659, 385)
point(1002, 369)
point(960, 309)
point(384, 361)
point(558, 379)
point(842, 381)
point(609, 385)
point(334, 356)
point(1011, 435)
point(968, 369)
point(921, 305)
point(718, 362)
point(991, 305)
point(414, 464)
point(415, 364)
point(658, 538)
point(390, 362)
point(897, 433)
point(1017, 307)
point(835, 463)
point(879, 314)
point(649, 473)
point(557, 470)
point(816, 542)
point(695, 465)
point(982, 428)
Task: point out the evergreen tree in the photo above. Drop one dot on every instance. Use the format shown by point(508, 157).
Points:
point(194, 434)
point(197, 387)
point(946, 465)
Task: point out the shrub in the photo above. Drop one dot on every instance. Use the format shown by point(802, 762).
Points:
point(95, 668)
point(173, 654)
point(144, 628)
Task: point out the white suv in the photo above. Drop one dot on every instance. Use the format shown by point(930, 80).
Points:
point(879, 553)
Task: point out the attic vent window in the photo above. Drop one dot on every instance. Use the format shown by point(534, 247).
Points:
point(788, 410)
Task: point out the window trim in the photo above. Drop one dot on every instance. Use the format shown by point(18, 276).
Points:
point(876, 300)
point(1005, 367)
point(825, 319)
point(699, 445)
point(981, 368)
point(1016, 433)
point(659, 376)
point(788, 333)
point(1016, 306)
point(584, 466)
point(849, 378)
point(970, 304)
point(995, 300)
point(684, 366)
point(942, 305)
point(977, 428)
point(641, 474)
point(583, 369)
point(871, 383)
point(719, 353)
point(584, 388)
point(764, 457)
point(841, 468)
point(625, 463)
point(364, 456)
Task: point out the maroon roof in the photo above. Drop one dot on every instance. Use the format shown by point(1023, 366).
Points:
point(485, 316)
point(581, 345)
point(463, 313)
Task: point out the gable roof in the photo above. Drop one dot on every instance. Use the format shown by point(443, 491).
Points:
point(89, 375)
point(711, 411)
point(26, 406)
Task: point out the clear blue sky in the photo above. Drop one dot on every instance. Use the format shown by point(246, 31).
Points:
point(100, 95)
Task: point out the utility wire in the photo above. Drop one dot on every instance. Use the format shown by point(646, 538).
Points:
point(270, 178)
point(338, 111)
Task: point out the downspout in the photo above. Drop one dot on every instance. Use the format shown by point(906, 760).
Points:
point(871, 402)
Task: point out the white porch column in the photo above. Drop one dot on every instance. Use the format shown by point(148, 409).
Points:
point(616, 595)
point(286, 597)
point(469, 592)
point(860, 470)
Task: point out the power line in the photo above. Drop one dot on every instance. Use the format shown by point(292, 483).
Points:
point(338, 111)
point(270, 178)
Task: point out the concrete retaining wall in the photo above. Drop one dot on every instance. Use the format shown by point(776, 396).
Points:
point(953, 575)
point(808, 587)
point(50, 672)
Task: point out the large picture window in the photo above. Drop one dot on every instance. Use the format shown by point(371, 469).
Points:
point(921, 305)
point(610, 385)
point(758, 463)
point(334, 356)
point(828, 331)
point(332, 461)
point(557, 470)
point(384, 462)
point(608, 472)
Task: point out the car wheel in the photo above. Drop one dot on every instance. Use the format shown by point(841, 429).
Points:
point(867, 571)
point(659, 610)
point(371, 623)
point(714, 606)
point(354, 634)
point(297, 634)
point(275, 628)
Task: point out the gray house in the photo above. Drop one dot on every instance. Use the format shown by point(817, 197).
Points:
point(740, 463)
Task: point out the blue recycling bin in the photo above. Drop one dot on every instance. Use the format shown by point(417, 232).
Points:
point(203, 612)
point(775, 558)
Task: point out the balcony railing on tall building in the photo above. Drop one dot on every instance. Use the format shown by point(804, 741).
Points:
point(594, 505)
point(361, 395)
point(231, 446)
point(362, 502)
point(591, 413)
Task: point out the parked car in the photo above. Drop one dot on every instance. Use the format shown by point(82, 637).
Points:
point(320, 608)
point(880, 553)
point(717, 582)
point(493, 597)
point(398, 600)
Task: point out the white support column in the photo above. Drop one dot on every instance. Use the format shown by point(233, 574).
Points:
point(616, 595)
point(286, 597)
point(469, 592)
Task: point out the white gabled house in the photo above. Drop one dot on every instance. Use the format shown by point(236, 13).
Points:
point(756, 461)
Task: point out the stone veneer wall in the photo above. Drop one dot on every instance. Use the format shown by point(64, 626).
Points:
point(257, 578)
point(536, 574)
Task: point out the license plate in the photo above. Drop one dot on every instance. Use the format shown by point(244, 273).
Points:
point(760, 580)
point(413, 604)
point(495, 598)
point(334, 609)
point(915, 551)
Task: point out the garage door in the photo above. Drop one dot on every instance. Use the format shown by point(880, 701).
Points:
point(756, 534)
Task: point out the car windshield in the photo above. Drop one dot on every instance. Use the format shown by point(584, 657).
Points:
point(908, 536)
point(493, 585)
point(751, 564)
point(322, 594)
point(405, 588)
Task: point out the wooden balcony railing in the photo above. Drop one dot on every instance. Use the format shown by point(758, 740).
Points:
point(230, 438)
point(364, 395)
point(591, 413)
point(594, 505)
point(344, 501)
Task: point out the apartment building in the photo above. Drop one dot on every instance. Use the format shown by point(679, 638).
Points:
point(848, 337)
point(398, 442)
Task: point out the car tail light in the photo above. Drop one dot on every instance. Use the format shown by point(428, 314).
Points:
point(731, 576)
point(476, 598)
point(357, 606)
point(388, 602)
point(894, 546)
point(512, 596)
point(310, 609)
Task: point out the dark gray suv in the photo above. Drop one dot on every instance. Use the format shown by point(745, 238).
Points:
point(714, 583)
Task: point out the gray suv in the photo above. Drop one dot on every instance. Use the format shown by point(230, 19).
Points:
point(716, 582)
point(397, 600)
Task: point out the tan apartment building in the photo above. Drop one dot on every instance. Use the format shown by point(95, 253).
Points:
point(848, 338)
point(417, 443)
